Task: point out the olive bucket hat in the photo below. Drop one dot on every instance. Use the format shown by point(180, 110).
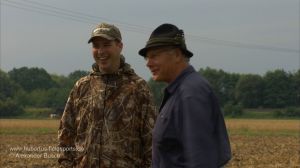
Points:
point(166, 35)
point(107, 31)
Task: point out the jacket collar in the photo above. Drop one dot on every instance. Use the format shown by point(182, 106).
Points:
point(173, 86)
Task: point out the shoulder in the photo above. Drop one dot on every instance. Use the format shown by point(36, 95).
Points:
point(194, 85)
point(82, 85)
point(82, 81)
point(138, 81)
point(141, 88)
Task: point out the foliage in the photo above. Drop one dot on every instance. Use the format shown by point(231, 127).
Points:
point(278, 113)
point(278, 89)
point(37, 112)
point(157, 89)
point(9, 108)
point(288, 112)
point(215, 79)
point(222, 83)
point(74, 76)
point(249, 90)
point(233, 110)
point(296, 88)
point(31, 78)
point(7, 87)
point(34, 87)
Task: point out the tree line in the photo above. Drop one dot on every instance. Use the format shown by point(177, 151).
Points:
point(274, 89)
point(35, 87)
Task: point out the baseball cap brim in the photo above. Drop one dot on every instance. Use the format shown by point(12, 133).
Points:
point(103, 36)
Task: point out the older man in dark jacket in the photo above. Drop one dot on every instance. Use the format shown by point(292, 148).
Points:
point(190, 131)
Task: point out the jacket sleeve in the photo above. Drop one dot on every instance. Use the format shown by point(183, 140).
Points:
point(149, 114)
point(66, 134)
point(197, 131)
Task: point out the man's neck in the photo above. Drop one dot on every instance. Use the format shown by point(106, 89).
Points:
point(181, 67)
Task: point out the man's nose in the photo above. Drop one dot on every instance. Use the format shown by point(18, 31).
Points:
point(99, 50)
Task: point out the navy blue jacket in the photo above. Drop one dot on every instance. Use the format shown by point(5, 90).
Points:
point(190, 131)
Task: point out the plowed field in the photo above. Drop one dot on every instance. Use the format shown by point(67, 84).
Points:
point(255, 143)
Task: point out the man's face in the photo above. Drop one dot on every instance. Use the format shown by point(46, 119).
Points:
point(162, 63)
point(106, 54)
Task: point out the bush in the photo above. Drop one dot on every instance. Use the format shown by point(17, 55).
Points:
point(10, 108)
point(33, 112)
point(292, 112)
point(288, 112)
point(278, 113)
point(233, 110)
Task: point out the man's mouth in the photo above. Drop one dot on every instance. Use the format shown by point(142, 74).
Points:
point(102, 58)
point(154, 71)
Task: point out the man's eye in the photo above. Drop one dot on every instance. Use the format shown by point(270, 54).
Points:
point(154, 55)
point(150, 56)
point(107, 45)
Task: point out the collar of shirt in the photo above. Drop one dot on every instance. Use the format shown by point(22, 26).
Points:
point(172, 86)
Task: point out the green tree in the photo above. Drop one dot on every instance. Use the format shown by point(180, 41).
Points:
point(7, 87)
point(9, 107)
point(222, 83)
point(61, 81)
point(38, 98)
point(32, 78)
point(229, 84)
point(157, 89)
point(277, 92)
point(74, 76)
point(215, 79)
point(233, 110)
point(22, 97)
point(57, 97)
point(296, 88)
point(249, 90)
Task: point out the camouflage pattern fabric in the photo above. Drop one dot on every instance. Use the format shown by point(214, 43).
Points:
point(107, 122)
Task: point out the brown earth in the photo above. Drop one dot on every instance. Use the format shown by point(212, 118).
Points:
point(36, 148)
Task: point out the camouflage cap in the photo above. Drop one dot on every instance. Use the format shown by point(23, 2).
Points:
point(107, 31)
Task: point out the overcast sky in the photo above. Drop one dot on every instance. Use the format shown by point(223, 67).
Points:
point(249, 36)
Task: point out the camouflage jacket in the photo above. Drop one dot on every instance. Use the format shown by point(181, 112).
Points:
point(107, 122)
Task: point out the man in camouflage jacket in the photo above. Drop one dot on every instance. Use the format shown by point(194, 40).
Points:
point(109, 114)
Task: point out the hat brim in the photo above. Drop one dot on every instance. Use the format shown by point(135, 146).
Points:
point(144, 50)
point(103, 36)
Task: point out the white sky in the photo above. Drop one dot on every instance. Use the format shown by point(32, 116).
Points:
point(37, 33)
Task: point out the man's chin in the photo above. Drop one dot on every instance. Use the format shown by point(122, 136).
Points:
point(105, 69)
point(156, 78)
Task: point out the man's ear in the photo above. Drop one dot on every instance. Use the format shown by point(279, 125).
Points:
point(178, 55)
point(120, 45)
